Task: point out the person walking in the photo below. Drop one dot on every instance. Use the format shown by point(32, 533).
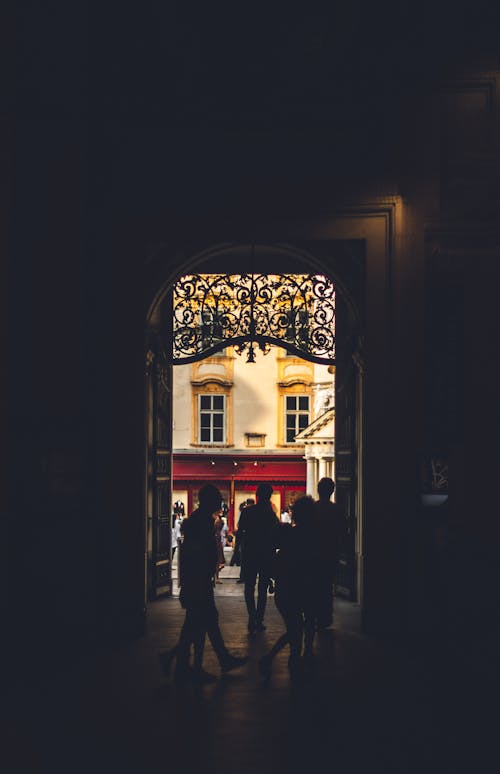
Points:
point(258, 526)
point(219, 540)
point(176, 532)
point(198, 561)
point(238, 548)
point(331, 534)
point(235, 558)
point(295, 593)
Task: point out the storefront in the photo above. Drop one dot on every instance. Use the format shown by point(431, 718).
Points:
point(237, 477)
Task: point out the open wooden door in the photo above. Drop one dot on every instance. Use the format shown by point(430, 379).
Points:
point(346, 453)
point(159, 500)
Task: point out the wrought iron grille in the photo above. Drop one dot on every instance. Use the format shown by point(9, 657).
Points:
point(294, 311)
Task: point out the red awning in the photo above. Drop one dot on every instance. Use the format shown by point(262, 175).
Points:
point(188, 468)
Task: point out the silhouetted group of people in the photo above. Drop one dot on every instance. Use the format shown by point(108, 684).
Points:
point(297, 561)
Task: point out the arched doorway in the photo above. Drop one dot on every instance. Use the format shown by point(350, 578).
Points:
point(344, 269)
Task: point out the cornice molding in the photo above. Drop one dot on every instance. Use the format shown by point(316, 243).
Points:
point(211, 380)
point(298, 379)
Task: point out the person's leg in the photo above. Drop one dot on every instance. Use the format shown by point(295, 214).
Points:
point(250, 580)
point(292, 618)
point(197, 631)
point(186, 637)
point(309, 627)
point(278, 645)
point(241, 579)
point(262, 596)
point(294, 626)
point(213, 630)
point(226, 660)
point(198, 647)
point(166, 658)
point(324, 598)
point(266, 661)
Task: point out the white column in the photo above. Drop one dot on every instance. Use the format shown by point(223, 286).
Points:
point(311, 476)
point(329, 467)
point(323, 468)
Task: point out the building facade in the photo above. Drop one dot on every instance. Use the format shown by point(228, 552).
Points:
point(237, 423)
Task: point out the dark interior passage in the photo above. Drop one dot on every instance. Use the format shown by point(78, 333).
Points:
point(374, 706)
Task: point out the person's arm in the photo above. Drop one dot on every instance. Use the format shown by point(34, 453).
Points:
point(242, 525)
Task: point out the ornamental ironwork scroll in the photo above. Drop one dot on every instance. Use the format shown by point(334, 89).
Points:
point(294, 311)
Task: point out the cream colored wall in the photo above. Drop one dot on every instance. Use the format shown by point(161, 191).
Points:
point(181, 436)
point(255, 400)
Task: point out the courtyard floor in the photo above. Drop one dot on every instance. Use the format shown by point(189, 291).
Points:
point(374, 705)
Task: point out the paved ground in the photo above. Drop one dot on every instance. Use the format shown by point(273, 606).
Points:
point(226, 574)
point(373, 706)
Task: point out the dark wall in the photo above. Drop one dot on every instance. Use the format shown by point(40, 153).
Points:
point(132, 130)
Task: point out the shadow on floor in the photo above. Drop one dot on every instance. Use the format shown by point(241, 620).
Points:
point(372, 705)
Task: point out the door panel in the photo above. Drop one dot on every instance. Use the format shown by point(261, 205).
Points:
point(345, 450)
point(160, 476)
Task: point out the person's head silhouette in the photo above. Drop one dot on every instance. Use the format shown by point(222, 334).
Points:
point(210, 498)
point(264, 492)
point(303, 511)
point(326, 487)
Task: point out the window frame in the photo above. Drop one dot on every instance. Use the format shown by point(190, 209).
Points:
point(296, 412)
point(211, 412)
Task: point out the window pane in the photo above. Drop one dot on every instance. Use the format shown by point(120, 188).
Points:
point(290, 420)
point(204, 435)
point(218, 420)
point(291, 402)
point(218, 402)
point(205, 420)
point(303, 421)
point(304, 403)
point(290, 434)
point(217, 436)
point(205, 401)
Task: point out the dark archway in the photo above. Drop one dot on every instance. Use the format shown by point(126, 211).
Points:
point(342, 262)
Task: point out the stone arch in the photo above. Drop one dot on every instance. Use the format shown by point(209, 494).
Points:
point(340, 260)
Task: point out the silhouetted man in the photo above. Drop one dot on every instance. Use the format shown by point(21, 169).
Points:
point(258, 525)
point(198, 562)
point(296, 583)
point(330, 535)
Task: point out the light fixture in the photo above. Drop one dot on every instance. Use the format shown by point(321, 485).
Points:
point(255, 464)
point(249, 345)
point(235, 463)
